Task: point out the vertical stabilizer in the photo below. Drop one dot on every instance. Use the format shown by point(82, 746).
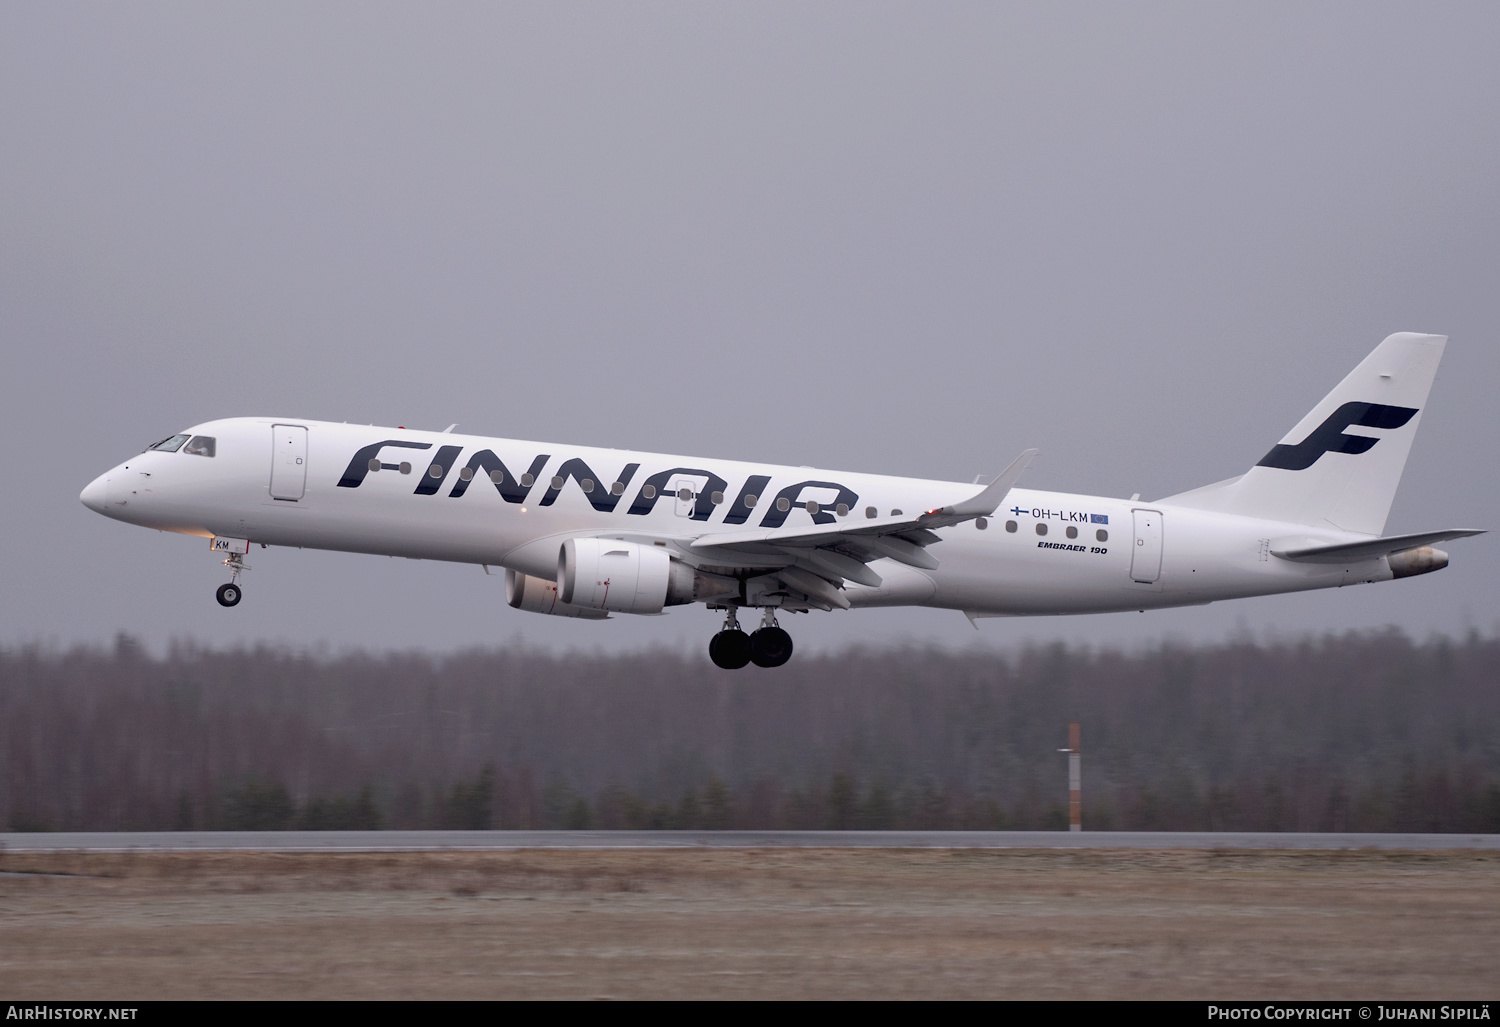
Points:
point(1339, 467)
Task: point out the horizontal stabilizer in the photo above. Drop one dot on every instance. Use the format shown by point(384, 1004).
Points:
point(1348, 552)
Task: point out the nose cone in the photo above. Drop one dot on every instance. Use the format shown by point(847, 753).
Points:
point(93, 496)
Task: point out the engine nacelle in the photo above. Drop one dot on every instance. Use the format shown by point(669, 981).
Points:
point(1422, 560)
point(538, 595)
point(605, 574)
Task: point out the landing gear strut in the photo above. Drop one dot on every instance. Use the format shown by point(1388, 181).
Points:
point(230, 594)
point(769, 646)
point(730, 648)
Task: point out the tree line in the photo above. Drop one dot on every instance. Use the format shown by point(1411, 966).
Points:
point(1358, 732)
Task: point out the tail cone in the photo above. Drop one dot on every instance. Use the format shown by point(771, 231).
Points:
point(1422, 560)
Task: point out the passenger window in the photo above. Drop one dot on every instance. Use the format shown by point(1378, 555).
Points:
point(202, 445)
point(895, 513)
point(527, 480)
point(783, 504)
point(1102, 535)
point(467, 474)
point(1072, 532)
point(871, 512)
point(1041, 529)
point(750, 501)
point(617, 489)
point(1010, 526)
point(171, 445)
point(842, 509)
point(497, 476)
point(981, 523)
point(716, 498)
point(587, 484)
point(812, 507)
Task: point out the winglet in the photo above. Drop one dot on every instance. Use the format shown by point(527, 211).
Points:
point(986, 502)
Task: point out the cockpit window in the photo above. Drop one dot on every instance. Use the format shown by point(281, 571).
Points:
point(171, 445)
point(202, 445)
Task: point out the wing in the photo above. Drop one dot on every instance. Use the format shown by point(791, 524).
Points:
point(813, 562)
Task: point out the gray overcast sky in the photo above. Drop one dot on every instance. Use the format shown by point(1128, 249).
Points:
point(903, 238)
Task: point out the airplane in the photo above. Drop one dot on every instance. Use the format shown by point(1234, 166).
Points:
point(588, 532)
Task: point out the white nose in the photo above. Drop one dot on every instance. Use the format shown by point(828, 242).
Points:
point(94, 494)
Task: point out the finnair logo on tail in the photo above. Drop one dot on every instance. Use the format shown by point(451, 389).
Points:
point(1329, 436)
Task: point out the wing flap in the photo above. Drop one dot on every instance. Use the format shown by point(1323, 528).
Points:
point(837, 565)
point(896, 548)
point(814, 586)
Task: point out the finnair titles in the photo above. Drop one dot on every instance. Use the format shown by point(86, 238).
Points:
point(589, 532)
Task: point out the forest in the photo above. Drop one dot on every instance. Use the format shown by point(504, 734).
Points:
point(1358, 732)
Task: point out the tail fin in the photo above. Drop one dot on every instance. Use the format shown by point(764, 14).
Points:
point(1339, 467)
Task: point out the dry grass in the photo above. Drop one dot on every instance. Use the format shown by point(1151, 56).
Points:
point(758, 923)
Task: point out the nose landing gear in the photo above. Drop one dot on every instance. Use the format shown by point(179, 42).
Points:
point(230, 594)
point(769, 646)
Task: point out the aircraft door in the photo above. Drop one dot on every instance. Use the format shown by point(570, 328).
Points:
point(685, 493)
point(1145, 555)
point(288, 461)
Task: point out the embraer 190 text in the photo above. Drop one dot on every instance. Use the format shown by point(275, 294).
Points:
point(586, 532)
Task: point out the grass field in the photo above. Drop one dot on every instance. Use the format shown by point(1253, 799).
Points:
point(752, 923)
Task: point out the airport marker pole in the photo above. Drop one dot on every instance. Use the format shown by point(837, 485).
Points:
point(1075, 779)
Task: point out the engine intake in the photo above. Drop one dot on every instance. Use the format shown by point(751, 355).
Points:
point(604, 574)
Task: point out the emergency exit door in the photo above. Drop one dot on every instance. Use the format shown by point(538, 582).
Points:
point(288, 461)
point(685, 492)
point(1145, 555)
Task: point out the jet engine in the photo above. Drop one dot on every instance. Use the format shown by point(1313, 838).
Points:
point(538, 595)
point(604, 574)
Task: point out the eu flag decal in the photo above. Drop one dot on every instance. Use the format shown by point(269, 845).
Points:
point(1098, 518)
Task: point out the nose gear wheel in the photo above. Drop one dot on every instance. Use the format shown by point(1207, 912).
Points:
point(231, 594)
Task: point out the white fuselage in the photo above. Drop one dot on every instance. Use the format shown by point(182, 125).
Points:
point(1040, 553)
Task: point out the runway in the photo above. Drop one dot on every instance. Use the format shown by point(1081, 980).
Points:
point(499, 841)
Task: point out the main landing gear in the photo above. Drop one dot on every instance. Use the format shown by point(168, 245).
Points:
point(769, 646)
point(230, 594)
